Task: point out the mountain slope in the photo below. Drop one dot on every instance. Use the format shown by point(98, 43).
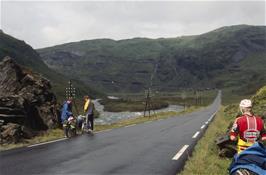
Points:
point(201, 61)
point(25, 55)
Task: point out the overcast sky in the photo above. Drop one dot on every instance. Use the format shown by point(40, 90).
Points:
point(48, 23)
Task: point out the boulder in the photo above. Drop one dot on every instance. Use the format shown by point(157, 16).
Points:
point(11, 133)
point(26, 101)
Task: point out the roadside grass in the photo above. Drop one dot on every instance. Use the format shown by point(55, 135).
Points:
point(205, 159)
point(55, 134)
point(49, 135)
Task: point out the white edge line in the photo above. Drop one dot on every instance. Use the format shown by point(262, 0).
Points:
point(203, 126)
point(212, 116)
point(47, 142)
point(195, 135)
point(179, 154)
point(214, 113)
point(130, 125)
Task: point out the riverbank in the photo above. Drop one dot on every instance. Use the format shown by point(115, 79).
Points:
point(120, 105)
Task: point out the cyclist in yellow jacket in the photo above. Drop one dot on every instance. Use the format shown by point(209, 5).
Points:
point(88, 110)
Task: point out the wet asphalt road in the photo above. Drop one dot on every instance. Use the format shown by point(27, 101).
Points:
point(146, 149)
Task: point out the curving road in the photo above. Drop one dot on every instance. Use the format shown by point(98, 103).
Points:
point(158, 147)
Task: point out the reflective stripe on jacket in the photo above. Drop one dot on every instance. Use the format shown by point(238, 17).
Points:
point(88, 107)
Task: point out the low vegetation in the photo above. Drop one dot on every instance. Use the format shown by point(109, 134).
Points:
point(49, 135)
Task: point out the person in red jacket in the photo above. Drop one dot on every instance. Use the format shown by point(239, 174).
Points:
point(247, 128)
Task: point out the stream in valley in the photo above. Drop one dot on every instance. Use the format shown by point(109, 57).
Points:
point(113, 117)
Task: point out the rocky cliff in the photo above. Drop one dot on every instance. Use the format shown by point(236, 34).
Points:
point(26, 56)
point(27, 104)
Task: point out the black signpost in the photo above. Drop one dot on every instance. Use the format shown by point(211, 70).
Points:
point(71, 94)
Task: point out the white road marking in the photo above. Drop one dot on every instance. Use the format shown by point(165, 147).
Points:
point(213, 114)
point(179, 154)
point(130, 125)
point(47, 142)
point(195, 135)
point(206, 123)
point(203, 126)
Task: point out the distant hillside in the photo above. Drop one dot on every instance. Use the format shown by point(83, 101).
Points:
point(228, 57)
point(25, 55)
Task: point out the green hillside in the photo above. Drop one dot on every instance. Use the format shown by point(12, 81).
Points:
point(229, 57)
point(26, 56)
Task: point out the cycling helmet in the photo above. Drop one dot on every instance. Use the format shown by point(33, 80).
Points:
point(245, 103)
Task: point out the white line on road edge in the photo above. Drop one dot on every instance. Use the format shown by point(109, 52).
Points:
point(179, 154)
point(213, 115)
point(47, 142)
point(195, 135)
point(130, 125)
point(203, 126)
point(206, 123)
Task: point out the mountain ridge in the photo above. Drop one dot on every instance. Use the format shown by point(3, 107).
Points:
point(182, 62)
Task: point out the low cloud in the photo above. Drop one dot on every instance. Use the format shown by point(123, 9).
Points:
point(43, 24)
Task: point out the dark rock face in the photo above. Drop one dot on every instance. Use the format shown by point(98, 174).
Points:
point(25, 99)
point(11, 133)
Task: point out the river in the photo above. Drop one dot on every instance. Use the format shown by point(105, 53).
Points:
point(113, 117)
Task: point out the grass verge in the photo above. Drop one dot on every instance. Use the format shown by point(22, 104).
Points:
point(205, 158)
point(49, 135)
